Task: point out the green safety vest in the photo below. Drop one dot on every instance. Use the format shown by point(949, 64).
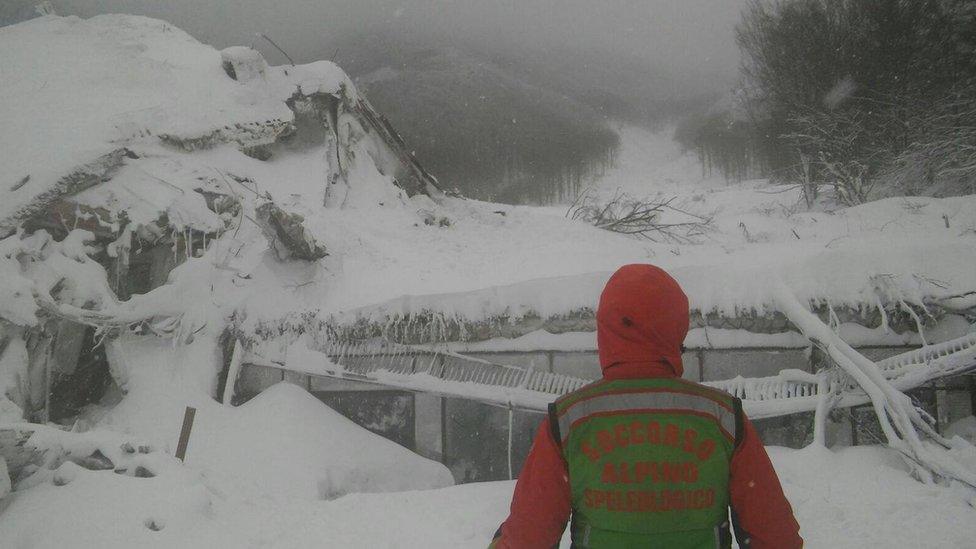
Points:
point(648, 462)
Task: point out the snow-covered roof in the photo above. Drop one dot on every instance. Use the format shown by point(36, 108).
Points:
point(856, 278)
point(884, 284)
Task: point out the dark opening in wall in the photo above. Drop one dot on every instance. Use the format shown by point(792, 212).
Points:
point(476, 448)
point(389, 414)
point(86, 384)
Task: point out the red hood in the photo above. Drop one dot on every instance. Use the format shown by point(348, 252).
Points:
point(642, 318)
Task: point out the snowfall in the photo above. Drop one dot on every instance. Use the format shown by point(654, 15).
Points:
point(283, 469)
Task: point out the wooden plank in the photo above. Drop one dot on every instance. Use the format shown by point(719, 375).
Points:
point(188, 416)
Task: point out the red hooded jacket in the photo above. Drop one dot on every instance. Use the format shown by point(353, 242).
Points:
point(642, 321)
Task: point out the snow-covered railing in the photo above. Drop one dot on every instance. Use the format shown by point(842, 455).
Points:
point(452, 374)
point(438, 372)
point(793, 391)
point(786, 384)
point(947, 354)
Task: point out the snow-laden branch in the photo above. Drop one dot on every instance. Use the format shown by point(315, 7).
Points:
point(627, 215)
point(44, 278)
point(902, 423)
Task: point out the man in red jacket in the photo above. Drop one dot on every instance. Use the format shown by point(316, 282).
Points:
point(643, 458)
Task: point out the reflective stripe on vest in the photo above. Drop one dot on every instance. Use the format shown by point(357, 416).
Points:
point(646, 400)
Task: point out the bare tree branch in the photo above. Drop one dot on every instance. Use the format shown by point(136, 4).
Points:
point(641, 217)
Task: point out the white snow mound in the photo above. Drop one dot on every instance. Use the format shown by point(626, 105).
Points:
point(283, 443)
point(302, 448)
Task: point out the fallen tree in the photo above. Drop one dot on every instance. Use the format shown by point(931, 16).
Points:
point(641, 217)
point(905, 427)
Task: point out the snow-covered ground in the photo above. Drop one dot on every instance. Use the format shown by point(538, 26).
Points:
point(855, 498)
point(283, 470)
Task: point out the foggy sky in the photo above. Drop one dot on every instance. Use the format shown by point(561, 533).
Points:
point(675, 35)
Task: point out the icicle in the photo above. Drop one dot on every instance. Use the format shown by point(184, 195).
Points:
point(826, 401)
point(188, 243)
point(918, 321)
point(176, 244)
point(834, 320)
point(511, 415)
point(884, 315)
point(233, 371)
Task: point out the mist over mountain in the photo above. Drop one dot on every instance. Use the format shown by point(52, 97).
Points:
point(478, 125)
point(532, 127)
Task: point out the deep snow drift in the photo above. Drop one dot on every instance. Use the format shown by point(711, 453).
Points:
point(856, 498)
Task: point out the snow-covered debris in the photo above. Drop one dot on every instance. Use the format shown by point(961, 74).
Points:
point(286, 235)
point(144, 189)
point(39, 270)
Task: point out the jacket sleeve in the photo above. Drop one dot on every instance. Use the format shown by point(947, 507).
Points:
point(761, 515)
point(541, 504)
